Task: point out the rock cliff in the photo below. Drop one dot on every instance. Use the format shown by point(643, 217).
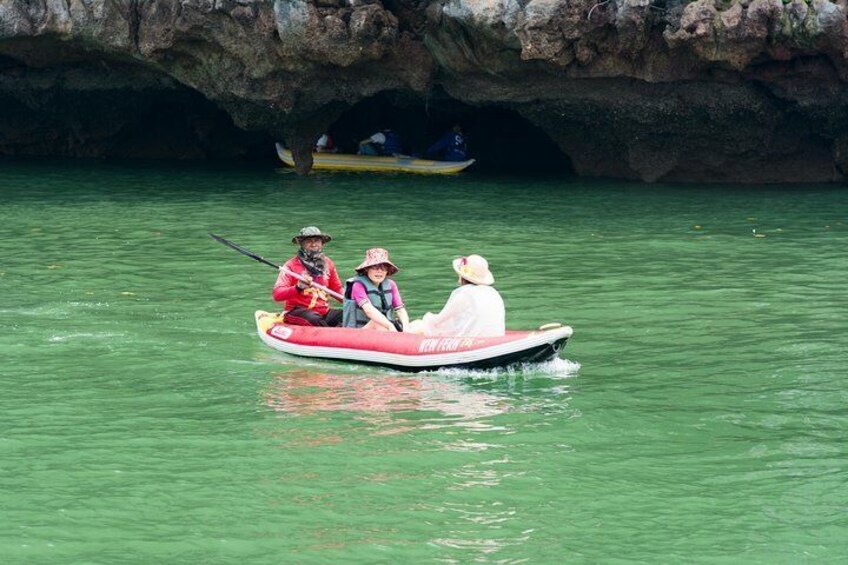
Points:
point(710, 90)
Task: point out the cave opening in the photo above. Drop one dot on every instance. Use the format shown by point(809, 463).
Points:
point(113, 109)
point(89, 105)
point(500, 139)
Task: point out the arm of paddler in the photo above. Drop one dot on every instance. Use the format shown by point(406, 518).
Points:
point(335, 283)
point(449, 320)
point(398, 306)
point(403, 316)
point(285, 287)
point(377, 317)
point(441, 144)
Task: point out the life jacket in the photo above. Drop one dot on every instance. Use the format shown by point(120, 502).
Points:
point(457, 150)
point(392, 144)
point(381, 298)
point(310, 298)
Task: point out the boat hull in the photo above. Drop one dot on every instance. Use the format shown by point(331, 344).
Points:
point(411, 352)
point(369, 163)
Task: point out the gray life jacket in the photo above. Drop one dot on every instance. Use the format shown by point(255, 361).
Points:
point(352, 315)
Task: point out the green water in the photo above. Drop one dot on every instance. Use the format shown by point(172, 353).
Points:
point(699, 414)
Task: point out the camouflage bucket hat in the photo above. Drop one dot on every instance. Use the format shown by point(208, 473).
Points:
point(310, 231)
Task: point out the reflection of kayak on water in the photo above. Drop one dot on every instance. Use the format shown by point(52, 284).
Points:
point(307, 392)
point(412, 352)
point(396, 164)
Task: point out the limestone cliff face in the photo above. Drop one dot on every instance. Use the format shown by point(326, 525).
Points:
point(711, 90)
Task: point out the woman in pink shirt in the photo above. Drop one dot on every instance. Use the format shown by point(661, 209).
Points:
point(372, 299)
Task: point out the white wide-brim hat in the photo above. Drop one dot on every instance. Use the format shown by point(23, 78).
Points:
point(474, 269)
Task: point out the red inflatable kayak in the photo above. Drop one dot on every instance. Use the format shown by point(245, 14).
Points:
point(412, 352)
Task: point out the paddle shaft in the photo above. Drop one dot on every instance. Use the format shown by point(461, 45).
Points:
point(261, 259)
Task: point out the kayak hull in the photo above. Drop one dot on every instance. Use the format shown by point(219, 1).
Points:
point(374, 164)
point(411, 352)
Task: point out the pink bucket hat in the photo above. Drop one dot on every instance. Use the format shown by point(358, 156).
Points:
point(377, 256)
point(474, 269)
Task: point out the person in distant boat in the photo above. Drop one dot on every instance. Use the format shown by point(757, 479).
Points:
point(372, 300)
point(305, 304)
point(451, 146)
point(384, 142)
point(475, 309)
point(325, 144)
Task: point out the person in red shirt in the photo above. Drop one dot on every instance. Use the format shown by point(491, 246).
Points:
point(305, 304)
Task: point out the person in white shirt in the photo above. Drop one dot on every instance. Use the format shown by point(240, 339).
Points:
point(325, 144)
point(475, 309)
point(383, 143)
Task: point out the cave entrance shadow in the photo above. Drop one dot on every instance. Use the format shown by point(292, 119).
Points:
point(500, 139)
point(57, 99)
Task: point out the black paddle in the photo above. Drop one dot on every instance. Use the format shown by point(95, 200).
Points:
point(261, 259)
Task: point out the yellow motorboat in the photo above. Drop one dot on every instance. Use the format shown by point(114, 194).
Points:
point(396, 164)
